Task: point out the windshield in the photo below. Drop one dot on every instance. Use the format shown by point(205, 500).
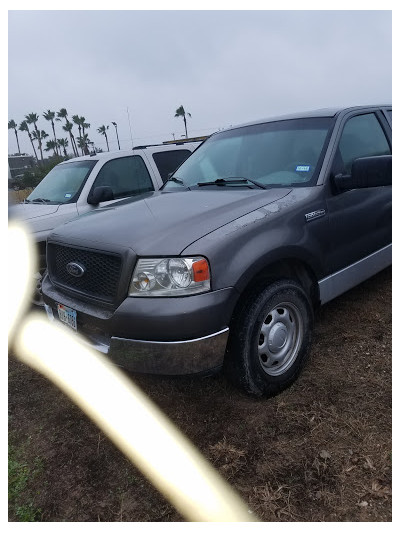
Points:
point(63, 183)
point(287, 153)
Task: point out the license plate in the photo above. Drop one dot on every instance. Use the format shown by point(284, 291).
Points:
point(67, 315)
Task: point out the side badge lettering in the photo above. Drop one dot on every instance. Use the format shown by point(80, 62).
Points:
point(315, 214)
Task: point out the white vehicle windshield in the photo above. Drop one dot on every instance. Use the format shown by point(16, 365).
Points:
point(63, 183)
point(286, 153)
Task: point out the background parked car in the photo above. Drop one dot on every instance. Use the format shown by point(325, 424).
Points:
point(79, 185)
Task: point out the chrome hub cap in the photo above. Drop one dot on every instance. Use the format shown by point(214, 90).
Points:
point(280, 338)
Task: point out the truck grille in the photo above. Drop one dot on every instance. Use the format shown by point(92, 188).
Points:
point(101, 271)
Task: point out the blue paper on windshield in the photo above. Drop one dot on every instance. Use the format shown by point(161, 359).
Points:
point(68, 195)
point(302, 168)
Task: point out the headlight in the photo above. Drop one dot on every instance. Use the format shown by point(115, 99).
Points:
point(174, 276)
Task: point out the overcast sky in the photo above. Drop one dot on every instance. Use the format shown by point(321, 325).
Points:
point(224, 67)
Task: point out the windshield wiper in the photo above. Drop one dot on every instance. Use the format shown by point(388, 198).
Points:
point(230, 181)
point(43, 200)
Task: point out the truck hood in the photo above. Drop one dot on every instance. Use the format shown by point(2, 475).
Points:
point(29, 211)
point(164, 223)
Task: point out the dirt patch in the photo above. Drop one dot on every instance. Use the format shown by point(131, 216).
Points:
point(320, 451)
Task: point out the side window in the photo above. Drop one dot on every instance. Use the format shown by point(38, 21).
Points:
point(168, 162)
point(362, 136)
point(127, 176)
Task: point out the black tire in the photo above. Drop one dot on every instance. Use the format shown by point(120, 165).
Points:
point(270, 338)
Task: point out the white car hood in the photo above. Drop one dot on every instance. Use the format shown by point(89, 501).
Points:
point(42, 218)
point(28, 211)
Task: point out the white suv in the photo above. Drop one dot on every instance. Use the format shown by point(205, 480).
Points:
point(79, 185)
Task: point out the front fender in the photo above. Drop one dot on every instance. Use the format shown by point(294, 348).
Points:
point(240, 250)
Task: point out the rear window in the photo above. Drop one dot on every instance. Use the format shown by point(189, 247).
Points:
point(168, 162)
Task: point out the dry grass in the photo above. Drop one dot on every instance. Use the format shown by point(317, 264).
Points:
point(320, 451)
point(16, 197)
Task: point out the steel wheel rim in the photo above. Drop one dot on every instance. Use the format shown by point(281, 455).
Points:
point(279, 338)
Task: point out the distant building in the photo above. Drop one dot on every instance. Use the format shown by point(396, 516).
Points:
point(19, 164)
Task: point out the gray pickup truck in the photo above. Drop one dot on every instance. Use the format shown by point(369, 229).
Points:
point(225, 265)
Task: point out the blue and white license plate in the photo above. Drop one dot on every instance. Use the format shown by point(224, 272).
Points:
point(67, 316)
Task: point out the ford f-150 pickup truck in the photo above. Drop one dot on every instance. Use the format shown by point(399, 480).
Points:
point(84, 183)
point(225, 265)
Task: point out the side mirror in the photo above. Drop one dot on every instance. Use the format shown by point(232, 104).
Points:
point(373, 171)
point(100, 194)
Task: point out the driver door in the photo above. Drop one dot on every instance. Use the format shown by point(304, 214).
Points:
point(360, 219)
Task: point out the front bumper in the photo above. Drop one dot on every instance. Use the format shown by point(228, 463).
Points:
point(170, 336)
point(169, 358)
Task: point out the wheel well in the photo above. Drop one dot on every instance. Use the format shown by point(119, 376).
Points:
point(286, 268)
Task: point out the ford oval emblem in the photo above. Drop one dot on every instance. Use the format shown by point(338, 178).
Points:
point(75, 269)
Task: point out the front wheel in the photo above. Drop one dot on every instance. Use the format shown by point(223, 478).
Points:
point(270, 338)
point(37, 298)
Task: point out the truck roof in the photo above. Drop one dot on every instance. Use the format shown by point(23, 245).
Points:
point(178, 145)
point(324, 112)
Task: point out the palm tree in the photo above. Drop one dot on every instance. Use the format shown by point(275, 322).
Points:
point(83, 141)
point(180, 112)
point(68, 128)
point(63, 143)
point(77, 120)
point(103, 131)
point(24, 127)
point(116, 131)
point(12, 125)
point(85, 126)
point(32, 118)
point(39, 136)
point(52, 145)
point(50, 116)
point(63, 114)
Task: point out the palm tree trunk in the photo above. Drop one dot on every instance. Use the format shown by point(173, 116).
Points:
point(33, 146)
point(55, 138)
point(16, 135)
point(72, 142)
point(74, 146)
point(105, 135)
point(184, 120)
point(39, 142)
point(85, 145)
point(80, 136)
